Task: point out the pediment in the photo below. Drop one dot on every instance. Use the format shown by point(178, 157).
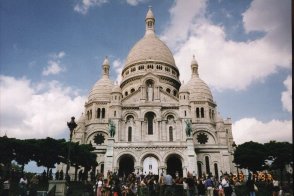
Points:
point(132, 99)
point(167, 98)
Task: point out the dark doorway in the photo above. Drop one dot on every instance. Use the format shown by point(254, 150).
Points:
point(126, 166)
point(174, 165)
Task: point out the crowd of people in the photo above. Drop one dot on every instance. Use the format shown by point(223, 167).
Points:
point(136, 184)
point(163, 185)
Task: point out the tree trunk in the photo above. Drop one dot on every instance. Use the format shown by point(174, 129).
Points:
point(281, 176)
point(76, 171)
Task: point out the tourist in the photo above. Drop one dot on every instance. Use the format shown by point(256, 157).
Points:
point(220, 189)
point(200, 188)
point(185, 187)
point(209, 185)
point(275, 187)
point(99, 184)
point(57, 175)
point(6, 187)
point(168, 182)
point(250, 186)
point(191, 184)
point(80, 175)
point(227, 186)
point(23, 185)
point(33, 185)
point(61, 175)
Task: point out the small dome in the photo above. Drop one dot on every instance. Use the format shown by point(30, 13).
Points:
point(116, 89)
point(184, 88)
point(199, 90)
point(81, 119)
point(101, 90)
point(219, 118)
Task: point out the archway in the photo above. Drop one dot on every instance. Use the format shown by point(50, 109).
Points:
point(126, 165)
point(174, 166)
point(150, 165)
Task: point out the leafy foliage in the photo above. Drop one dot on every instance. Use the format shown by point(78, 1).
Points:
point(250, 155)
point(45, 152)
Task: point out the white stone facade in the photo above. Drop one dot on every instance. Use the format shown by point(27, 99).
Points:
point(150, 108)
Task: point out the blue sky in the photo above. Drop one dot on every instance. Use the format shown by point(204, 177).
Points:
point(51, 54)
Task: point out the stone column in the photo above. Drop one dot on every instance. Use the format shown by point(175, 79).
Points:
point(163, 126)
point(191, 156)
point(108, 164)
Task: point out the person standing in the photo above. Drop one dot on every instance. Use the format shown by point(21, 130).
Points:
point(23, 185)
point(209, 186)
point(226, 186)
point(200, 188)
point(191, 185)
point(250, 186)
point(275, 187)
point(168, 182)
point(99, 184)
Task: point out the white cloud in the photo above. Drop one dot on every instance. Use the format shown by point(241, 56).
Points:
point(135, 2)
point(53, 68)
point(54, 65)
point(250, 129)
point(36, 110)
point(228, 64)
point(118, 67)
point(286, 97)
point(83, 6)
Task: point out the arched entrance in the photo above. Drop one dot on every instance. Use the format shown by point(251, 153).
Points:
point(126, 165)
point(174, 166)
point(150, 166)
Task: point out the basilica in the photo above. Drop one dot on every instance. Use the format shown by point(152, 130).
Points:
point(151, 122)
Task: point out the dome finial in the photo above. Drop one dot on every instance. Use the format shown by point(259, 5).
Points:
point(150, 21)
point(105, 66)
point(194, 67)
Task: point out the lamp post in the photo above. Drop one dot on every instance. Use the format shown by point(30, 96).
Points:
point(71, 125)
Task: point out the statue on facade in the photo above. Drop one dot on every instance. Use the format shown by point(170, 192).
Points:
point(111, 128)
point(150, 93)
point(188, 128)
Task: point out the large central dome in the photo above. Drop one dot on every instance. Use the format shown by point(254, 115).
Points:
point(150, 47)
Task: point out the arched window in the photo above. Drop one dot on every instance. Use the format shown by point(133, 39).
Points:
point(216, 171)
point(98, 112)
point(88, 115)
point(199, 166)
point(129, 134)
point(132, 90)
point(197, 113)
point(207, 165)
point(168, 90)
point(185, 113)
point(114, 114)
point(202, 112)
point(150, 118)
point(171, 134)
point(103, 112)
point(175, 93)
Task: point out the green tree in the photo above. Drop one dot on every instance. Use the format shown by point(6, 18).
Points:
point(24, 152)
point(282, 153)
point(49, 152)
point(7, 153)
point(250, 155)
point(82, 155)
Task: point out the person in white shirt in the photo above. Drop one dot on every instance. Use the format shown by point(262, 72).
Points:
point(226, 186)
